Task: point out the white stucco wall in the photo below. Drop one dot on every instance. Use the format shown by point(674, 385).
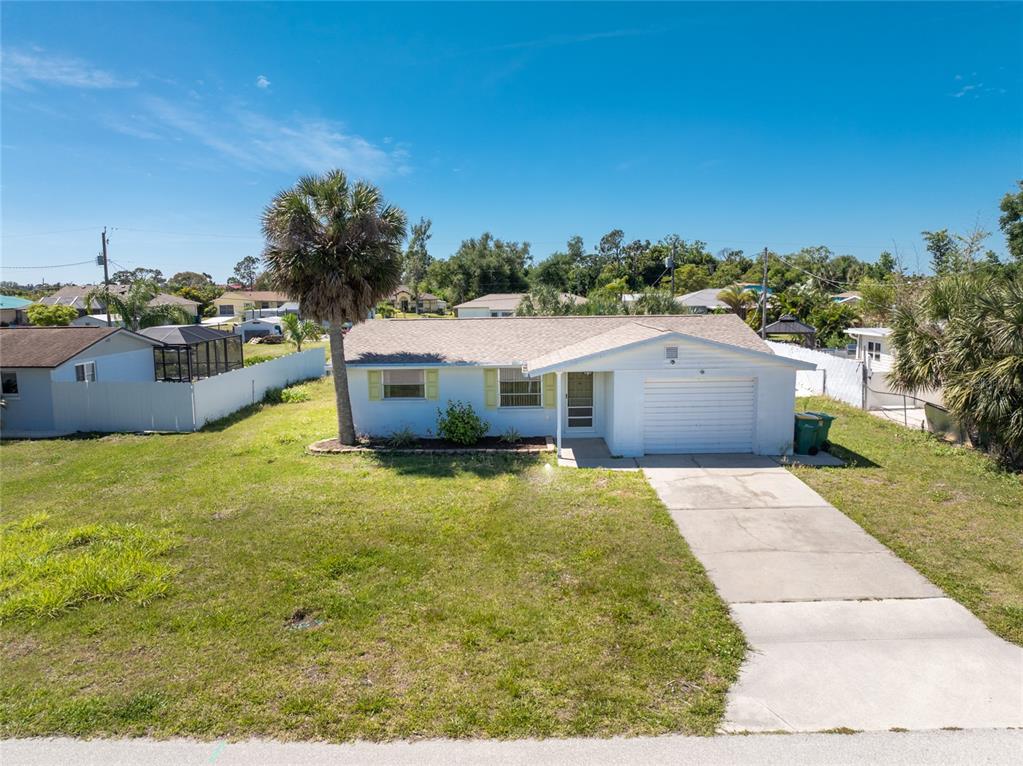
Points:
point(382, 417)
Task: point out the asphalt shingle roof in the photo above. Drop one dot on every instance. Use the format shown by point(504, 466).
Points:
point(47, 346)
point(514, 341)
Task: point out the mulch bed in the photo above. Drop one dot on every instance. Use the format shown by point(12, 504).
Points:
point(489, 444)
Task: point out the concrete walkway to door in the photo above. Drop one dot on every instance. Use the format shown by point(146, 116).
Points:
point(842, 633)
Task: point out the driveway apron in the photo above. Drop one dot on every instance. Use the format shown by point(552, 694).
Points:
point(842, 633)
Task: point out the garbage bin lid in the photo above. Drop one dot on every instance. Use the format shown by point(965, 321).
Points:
point(806, 416)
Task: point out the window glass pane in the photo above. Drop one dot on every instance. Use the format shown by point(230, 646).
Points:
point(10, 383)
point(234, 352)
point(404, 384)
point(517, 390)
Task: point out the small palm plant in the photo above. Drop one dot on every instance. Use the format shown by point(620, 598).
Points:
point(133, 305)
point(738, 301)
point(298, 331)
point(335, 247)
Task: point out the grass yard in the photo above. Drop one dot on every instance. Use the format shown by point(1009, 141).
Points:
point(226, 584)
point(949, 511)
point(280, 349)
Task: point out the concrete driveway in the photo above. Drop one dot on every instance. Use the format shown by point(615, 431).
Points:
point(842, 632)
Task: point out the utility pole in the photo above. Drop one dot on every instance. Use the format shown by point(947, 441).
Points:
point(763, 300)
point(673, 248)
point(106, 275)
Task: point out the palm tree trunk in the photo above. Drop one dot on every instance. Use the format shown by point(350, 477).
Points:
point(345, 426)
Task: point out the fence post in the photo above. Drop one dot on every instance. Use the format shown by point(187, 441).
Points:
point(863, 386)
point(824, 381)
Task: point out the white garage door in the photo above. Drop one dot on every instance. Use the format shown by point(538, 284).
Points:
point(698, 416)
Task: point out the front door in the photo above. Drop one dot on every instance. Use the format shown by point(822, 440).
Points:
point(579, 401)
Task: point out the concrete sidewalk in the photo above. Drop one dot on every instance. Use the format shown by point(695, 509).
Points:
point(917, 748)
point(842, 632)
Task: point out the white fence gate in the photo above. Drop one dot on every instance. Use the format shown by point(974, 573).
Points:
point(839, 378)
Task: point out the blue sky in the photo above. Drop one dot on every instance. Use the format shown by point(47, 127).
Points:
point(854, 126)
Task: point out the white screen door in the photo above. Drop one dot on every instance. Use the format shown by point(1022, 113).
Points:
point(579, 399)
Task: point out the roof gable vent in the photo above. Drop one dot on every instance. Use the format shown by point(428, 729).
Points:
point(671, 354)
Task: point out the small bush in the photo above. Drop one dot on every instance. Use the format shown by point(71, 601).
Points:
point(273, 396)
point(511, 436)
point(256, 359)
point(293, 394)
point(460, 424)
point(403, 437)
point(385, 310)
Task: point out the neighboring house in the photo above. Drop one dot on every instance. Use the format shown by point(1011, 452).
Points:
point(403, 300)
point(850, 296)
point(97, 320)
point(872, 345)
point(235, 302)
point(655, 384)
point(702, 301)
point(193, 352)
point(33, 359)
point(501, 305)
point(74, 296)
point(12, 310)
point(59, 380)
point(258, 327)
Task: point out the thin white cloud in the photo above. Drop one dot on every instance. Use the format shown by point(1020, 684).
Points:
point(258, 142)
point(262, 83)
point(964, 90)
point(28, 69)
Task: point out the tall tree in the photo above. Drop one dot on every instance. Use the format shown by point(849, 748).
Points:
point(189, 279)
point(336, 248)
point(417, 256)
point(246, 271)
point(1011, 221)
point(739, 301)
point(482, 265)
point(141, 274)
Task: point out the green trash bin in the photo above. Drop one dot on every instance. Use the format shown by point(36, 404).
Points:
point(807, 427)
point(822, 433)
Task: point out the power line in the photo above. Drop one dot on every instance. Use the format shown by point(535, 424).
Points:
point(51, 266)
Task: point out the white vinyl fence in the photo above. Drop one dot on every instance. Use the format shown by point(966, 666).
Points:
point(159, 406)
point(837, 377)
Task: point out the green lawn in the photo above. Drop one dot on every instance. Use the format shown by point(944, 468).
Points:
point(280, 349)
point(226, 584)
point(949, 511)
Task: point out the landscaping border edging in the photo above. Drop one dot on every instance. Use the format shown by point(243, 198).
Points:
point(323, 447)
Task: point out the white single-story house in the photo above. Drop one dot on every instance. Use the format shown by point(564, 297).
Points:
point(258, 327)
point(501, 305)
point(33, 359)
point(871, 343)
point(849, 296)
point(652, 384)
point(60, 380)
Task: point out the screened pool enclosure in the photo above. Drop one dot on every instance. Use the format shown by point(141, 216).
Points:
point(193, 352)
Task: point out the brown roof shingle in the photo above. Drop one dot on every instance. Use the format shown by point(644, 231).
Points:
point(49, 346)
point(516, 340)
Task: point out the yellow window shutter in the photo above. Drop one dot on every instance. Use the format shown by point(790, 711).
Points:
point(550, 390)
point(376, 387)
point(432, 384)
point(490, 387)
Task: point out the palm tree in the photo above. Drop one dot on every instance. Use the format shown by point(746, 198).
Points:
point(133, 305)
point(739, 301)
point(298, 331)
point(964, 334)
point(335, 247)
